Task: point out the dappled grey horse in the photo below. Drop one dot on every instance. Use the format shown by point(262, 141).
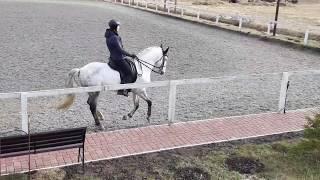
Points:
point(152, 59)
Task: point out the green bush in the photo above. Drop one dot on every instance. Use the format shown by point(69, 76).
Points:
point(310, 145)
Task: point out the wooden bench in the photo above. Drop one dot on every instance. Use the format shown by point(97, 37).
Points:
point(44, 142)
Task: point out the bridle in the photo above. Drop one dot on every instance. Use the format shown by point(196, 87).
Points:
point(151, 67)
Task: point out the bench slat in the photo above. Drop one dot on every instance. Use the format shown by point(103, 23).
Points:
point(49, 145)
point(20, 153)
point(33, 142)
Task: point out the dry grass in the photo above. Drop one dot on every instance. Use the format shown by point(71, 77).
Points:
point(292, 17)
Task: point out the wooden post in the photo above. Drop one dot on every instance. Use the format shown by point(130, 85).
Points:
point(24, 112)
point(172, 102)
point(240, 22)
point(175, 6)
point(165, 5)
point(217, 19)
point(269, 28)
point(306, 36)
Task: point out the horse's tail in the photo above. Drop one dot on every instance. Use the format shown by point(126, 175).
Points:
point(68, 101)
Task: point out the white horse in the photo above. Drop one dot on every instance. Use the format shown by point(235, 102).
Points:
point(152, 59)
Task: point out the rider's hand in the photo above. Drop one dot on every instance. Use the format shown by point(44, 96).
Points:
point(134, 56)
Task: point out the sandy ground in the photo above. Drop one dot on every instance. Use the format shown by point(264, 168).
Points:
point(41, 42)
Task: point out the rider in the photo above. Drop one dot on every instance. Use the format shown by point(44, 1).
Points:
point(118, 55)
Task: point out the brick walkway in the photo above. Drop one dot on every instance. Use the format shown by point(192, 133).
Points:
point(120, 143)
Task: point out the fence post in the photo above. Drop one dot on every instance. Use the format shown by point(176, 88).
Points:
point(156, 7)
point(182, 12)
point(217, 19)
point(168, 9)
point(172, 102)
point(129, 2)
point(121, 1)
point(198, 15)
point(283, 92)
point(24, 112)
point(146, 5)
point(269, 28)
point(306, 36)
point(240, 23)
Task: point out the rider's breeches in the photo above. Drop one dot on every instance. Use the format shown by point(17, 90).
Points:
point(125, 68)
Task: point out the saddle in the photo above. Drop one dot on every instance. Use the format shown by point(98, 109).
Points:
point(125, 78)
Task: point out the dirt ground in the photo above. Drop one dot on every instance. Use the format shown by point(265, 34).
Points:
point(260, 158)
point(298, 17)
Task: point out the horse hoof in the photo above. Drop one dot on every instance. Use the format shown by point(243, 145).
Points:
point(125, 117)
point(100, 127)
point(148, 118)
point(100, 116)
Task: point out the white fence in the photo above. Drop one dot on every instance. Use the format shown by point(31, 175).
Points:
point(24, 96)
point(169, 6)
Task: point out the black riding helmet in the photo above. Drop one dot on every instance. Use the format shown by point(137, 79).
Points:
point(113, 24)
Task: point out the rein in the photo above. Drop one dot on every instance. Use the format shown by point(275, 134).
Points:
point(146, 64)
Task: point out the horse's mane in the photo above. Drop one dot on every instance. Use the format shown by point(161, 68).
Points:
point(146, 51)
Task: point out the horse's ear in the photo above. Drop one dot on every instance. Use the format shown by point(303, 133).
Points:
point(161, 46)
point(166, 51)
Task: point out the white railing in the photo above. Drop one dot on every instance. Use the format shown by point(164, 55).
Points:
point(198, 12)
point(24, 96)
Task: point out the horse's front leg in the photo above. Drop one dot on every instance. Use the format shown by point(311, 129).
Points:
point(144, 96)
point(136, 106)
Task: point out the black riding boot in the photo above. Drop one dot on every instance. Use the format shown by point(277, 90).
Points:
point(125, 73)
point(123, 92)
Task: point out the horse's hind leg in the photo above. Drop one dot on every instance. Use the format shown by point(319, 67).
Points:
point(92, 101)
point(136, 106)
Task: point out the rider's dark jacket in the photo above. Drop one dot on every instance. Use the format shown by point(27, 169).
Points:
point(114, 43)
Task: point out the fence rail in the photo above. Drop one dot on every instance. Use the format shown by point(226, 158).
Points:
point(172, 84)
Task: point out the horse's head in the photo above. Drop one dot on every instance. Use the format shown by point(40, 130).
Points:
point(154, 59)
point(162, 63)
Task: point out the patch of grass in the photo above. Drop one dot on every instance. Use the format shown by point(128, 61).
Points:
point(15, 177)
point(280, 163)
